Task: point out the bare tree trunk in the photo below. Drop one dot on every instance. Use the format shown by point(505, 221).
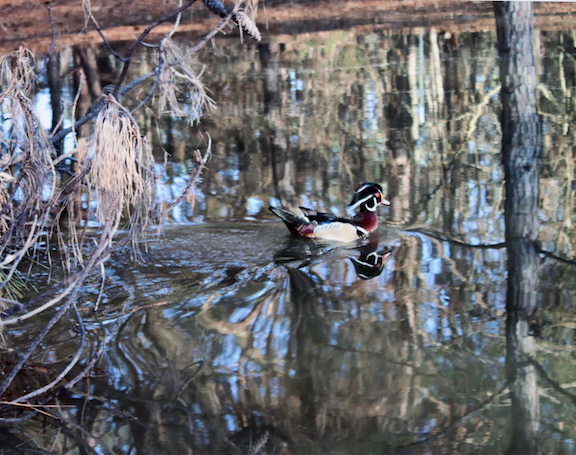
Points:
point(522, 135)
point(521, 150)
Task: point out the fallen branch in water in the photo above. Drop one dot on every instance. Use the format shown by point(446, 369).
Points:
point(491, 246)
point(446, 238)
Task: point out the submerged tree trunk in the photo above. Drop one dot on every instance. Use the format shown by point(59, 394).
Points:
point(521, 151)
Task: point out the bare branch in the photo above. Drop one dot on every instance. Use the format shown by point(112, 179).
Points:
point(88, 9)
point(53, 25)
point(143, 35)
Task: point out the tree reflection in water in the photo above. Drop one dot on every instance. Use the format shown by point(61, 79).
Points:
point(521, 152)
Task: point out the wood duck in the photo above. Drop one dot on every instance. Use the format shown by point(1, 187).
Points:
point(325, 226)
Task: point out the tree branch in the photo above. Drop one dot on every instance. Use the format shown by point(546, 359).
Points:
point(128, 57)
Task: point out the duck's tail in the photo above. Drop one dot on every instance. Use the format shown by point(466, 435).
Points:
point(291, 220)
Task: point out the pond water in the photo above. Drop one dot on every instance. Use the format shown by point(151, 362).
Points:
point(233, 337)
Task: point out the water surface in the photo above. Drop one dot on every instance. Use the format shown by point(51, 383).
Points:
point(232, 336)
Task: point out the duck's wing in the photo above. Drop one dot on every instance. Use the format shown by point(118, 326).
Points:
point(315, 215)
point(323, 217)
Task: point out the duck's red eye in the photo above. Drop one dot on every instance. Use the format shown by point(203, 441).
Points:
point(378, 195)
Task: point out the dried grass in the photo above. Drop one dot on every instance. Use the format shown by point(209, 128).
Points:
point(17, 72)
point(87, 9)
point(23, 213)
point(177, 72)
point(121, 169)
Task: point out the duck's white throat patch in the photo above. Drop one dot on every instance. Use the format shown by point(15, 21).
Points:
point(370, 201)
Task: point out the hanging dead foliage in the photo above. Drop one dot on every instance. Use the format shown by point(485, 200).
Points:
point(178, 75)
point(27, 174)
point(121, 169)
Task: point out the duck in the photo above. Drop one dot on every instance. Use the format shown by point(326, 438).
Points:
point(325, 226)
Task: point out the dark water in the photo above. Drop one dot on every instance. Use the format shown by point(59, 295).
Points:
point(234, 338)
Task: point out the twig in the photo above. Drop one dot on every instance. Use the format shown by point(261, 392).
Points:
point(150, 305)
point(102, 284)
point(176, 21)
point(88, 367)
point(158, 71)
point(9, 301)
point(53, 43)
point(32, 237)
point(76, 98)
point(492, 246)
point(99, 30)
point(214, 31)
point(19, 306)
point(78, 277)
point(30, 406)
point(100, 254)
point(19, 419)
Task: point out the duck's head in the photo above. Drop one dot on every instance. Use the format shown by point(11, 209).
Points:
point(367, 197)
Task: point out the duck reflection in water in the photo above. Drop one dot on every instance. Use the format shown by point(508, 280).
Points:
point(367, 256)
point(371, 261)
